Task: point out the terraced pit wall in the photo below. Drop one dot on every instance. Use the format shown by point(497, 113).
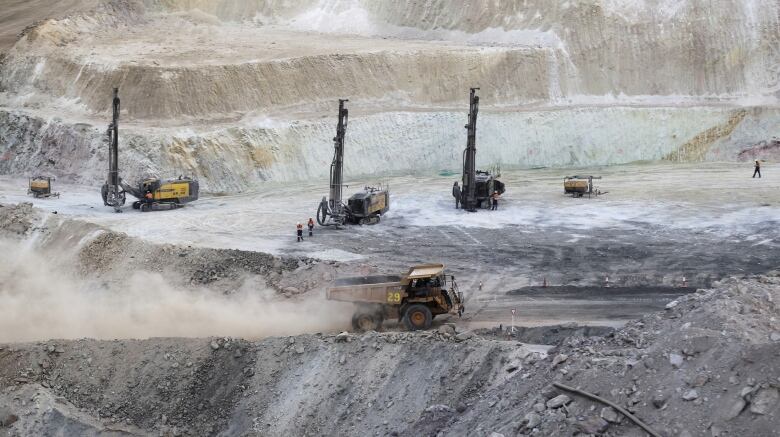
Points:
point(239, 92)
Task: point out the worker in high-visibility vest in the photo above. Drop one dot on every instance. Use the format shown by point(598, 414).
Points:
point(300, 232)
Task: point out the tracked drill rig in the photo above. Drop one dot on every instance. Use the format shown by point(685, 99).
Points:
point(153, 194)
point(113, 194)
point(478, 185)
point(365, 207)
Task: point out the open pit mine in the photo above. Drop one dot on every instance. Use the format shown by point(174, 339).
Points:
point(489, 218)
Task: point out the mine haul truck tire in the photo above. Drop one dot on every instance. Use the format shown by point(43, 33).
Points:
point(417, 317)
point(367, 319)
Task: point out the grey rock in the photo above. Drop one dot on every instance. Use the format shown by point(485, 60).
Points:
point(560, 358)
point(676, 360)
point(747, 391)
point(764, 401)
point(558, 401)
point(214, 345)
point(539, 407)
point(439, 408)
point(735, 409)
point(690, 395)
point(7, 418)
point(496, 434)
point(700, 380)
point(659, 400)
point(447, 329)
point(532, 420)
point(592, 425)
point(549, 392)
point(463, 336)
point(775, 336)
point(610, 415)
point(299, 350)
point(343, 337)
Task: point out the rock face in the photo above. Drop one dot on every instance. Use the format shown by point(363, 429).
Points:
point(241, 88)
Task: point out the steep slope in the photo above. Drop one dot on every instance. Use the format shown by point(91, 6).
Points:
point(237, 92)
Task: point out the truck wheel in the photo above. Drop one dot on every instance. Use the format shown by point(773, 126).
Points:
point(366, 321)
point(417, 317)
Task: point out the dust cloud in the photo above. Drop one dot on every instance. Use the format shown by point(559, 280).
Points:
point(43, 299)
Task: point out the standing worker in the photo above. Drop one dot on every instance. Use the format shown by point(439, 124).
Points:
point(495, 201)
point(300, 232)
point(149, 197)
point(757, 171)
point(311, 227)
point(456, 194)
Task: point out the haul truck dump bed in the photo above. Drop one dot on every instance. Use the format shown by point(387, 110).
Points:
point(414, 299)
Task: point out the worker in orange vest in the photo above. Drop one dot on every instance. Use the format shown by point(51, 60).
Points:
point(300, 232)
point(495, 200)
point(311, 227)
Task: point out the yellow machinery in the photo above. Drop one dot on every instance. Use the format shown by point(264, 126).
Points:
point(40, 186)
point(579, 186)
point(153, 194)
point(156, 194)
point(414, 299)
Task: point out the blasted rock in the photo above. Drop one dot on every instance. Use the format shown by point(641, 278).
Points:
point(558, 401)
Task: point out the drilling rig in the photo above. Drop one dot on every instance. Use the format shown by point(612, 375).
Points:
point(112, 192)
point(478, 185)
point(365, 207)
point(153, 194)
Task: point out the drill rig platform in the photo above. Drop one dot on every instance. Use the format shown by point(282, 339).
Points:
point(363, 208)
point(478, 186)
point(153, 194)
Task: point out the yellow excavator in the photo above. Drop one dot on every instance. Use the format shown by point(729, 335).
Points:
point(153, 194)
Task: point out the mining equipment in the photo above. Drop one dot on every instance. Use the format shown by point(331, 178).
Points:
point(477, 185)
point(424, 292)
point(40, 187)
point(153, 194)
point(579, 186)
point(365, 207)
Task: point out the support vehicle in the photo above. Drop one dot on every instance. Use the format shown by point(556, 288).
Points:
point(414, 299)
point(40, 186)
point(579, 186)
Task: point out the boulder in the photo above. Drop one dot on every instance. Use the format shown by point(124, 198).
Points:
point(592, 425)
point(558, 401)
point(764, 401)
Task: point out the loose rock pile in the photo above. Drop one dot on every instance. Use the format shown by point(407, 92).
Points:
point(707, 366)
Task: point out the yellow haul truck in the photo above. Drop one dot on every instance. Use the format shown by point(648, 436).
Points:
point(414, 299)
